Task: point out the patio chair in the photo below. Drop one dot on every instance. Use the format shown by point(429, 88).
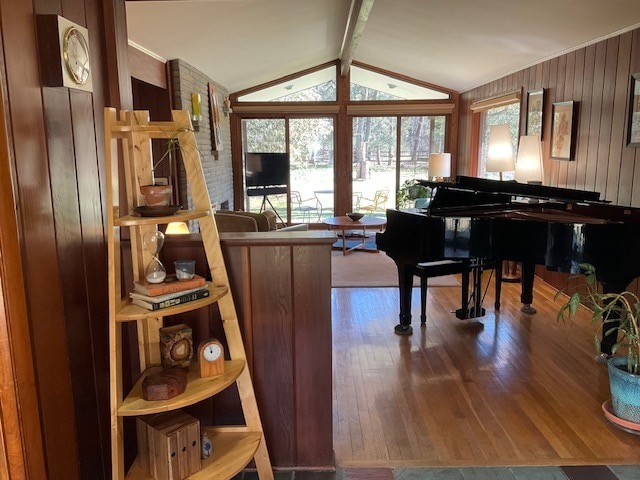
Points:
point(303, 207)
point(378, 203)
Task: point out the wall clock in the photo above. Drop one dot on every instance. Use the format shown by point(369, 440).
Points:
point(75, 51)
point(211, 358)
point(64, 53)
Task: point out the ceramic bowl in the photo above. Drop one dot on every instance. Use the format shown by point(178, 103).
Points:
point(355, 216)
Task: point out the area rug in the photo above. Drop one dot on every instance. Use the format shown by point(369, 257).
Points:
point(367, 269)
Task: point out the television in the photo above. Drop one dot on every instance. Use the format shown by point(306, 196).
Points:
point(266, 169)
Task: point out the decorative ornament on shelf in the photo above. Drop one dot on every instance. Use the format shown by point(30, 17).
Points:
point(155, 271)
point(176, 346)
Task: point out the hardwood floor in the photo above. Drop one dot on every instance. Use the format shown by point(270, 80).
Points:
point(510, 390)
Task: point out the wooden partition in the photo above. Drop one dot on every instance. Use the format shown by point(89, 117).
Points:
point(281, 284)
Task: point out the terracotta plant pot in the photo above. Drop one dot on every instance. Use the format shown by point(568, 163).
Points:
point(156, 195)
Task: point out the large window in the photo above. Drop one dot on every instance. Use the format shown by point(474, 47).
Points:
point(380, 167)
point(311, 166)
point(508, 114)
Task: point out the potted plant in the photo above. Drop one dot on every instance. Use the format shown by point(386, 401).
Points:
point(410, 191)
point(615, 313)
point(157, 194)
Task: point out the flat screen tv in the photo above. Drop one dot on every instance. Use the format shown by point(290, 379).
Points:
point(266, 169)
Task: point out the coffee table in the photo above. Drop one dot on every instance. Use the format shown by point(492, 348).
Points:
point(344, 223)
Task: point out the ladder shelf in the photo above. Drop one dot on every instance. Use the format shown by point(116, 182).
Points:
point(128, 137)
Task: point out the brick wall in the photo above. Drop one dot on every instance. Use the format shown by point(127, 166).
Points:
point(216, 164)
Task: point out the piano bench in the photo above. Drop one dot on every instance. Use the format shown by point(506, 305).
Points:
point(438, 268)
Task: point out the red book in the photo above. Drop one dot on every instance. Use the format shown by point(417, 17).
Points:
point(170, 285)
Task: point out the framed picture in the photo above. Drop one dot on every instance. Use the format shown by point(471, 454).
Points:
point(562, 130)
point(535, 104)
point(214, 115)
point(633, 128)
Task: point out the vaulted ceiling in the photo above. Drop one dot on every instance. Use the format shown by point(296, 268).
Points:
point(457, 44)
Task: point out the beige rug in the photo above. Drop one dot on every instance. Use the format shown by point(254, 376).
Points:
point(365, 269)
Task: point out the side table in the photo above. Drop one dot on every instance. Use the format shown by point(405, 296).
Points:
point(344, 223)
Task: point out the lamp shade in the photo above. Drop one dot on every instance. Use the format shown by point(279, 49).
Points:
point(440, 165)
point(177, 228)
point(529, 162)
point(499, 150)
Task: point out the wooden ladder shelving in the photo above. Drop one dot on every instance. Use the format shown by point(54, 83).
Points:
point(130, 135)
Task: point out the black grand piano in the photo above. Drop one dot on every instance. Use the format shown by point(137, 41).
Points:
point(484, 222)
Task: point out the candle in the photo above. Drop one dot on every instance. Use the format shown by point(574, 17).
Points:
point(195, 101)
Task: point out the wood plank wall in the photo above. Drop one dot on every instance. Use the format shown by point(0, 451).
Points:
point(56, 144)
point(597, 78)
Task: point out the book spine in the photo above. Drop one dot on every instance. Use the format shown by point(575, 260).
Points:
point(154, 291)
point(172, 302)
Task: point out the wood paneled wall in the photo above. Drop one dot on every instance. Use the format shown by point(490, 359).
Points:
point(57, 168)
point(281, 283)
point(597, 78)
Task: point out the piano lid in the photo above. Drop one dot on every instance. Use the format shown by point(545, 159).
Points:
point(508, 187)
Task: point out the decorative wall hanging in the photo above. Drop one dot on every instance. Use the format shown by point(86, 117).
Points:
point(633, 122)
point(562, 130)
point(214, 114)
point(535, 105)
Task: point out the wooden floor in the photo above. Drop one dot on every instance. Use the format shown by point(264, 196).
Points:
point(512, 390)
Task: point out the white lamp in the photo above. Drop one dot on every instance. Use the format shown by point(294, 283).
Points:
point(177, 228)
point(499, 150)
point(440, 165)
point(529, 167)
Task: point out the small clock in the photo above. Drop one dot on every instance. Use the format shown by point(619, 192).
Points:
point(75, 51)
point(211, 358)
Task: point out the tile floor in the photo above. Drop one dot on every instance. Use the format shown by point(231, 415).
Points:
point(595, 472)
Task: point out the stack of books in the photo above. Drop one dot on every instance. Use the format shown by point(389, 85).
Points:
point(171, 292)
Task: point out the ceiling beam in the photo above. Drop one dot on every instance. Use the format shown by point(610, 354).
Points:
point(358, 15)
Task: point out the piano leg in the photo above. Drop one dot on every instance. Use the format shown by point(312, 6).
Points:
point(526, 296)
point(405, 286)
point(498, 284)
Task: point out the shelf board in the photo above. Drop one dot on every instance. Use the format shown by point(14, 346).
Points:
point(179, 216)
point(197, 389)
point(231, 453)
point(131, 312)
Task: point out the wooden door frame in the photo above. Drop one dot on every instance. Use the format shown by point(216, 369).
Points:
point(21, 446)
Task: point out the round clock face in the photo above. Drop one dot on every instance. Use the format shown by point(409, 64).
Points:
point(211, 352)
point(76, 55)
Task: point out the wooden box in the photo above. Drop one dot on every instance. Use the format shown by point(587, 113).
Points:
point(169, 445)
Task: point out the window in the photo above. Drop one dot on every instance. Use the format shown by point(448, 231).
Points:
point(369, 85)
point(499, 111)
point(318, 86)
point(380, 166)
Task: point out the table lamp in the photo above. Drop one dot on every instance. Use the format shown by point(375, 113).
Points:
point(177, 228)
point(440, 165)
point(499, 150)
point(529, 168)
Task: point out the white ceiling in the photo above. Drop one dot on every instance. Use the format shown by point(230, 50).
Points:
point(457, 44)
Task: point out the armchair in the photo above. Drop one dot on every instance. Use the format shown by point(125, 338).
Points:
point(378, 204)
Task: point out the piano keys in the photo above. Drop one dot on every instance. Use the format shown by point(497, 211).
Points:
point(486, 222)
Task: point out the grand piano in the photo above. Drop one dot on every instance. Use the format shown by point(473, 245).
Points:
point(483, 222)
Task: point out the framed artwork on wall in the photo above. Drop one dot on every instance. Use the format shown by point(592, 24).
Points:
point(633, 122)
point(535, 104)
point(214, 115)
point(563, 130)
